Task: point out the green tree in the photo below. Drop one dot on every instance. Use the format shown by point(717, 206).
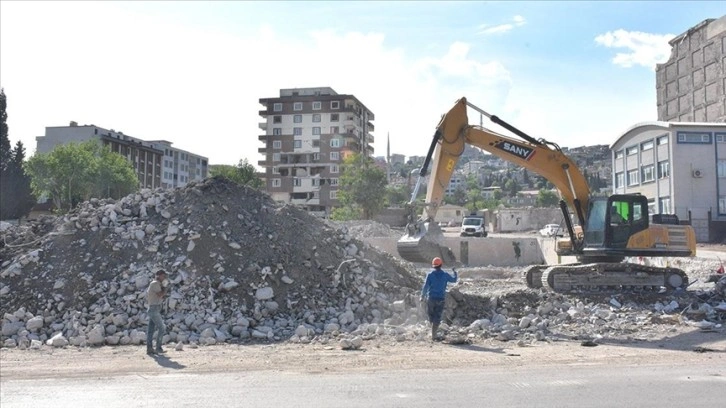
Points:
point(511, 187)
point(74, 172)
point(361, 186)
point(547, 198)
point(397, 195)
point(243, 173)
point(16, 199)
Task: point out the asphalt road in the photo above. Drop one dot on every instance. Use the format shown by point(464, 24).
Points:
point(573, 385)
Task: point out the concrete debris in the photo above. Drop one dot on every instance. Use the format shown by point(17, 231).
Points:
point(243, 268)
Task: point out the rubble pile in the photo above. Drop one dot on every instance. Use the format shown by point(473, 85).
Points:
point(240, 266)
point(368, 229)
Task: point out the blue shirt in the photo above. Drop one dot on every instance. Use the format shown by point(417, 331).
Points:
point(435, 285)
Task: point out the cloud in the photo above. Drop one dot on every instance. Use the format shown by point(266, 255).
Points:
point(644, 49)
point(199, 88)
point(517, 21)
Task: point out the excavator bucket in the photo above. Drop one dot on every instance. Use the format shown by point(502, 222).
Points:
point(423, 242)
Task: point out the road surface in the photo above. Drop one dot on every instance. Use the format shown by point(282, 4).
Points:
point(567, 386)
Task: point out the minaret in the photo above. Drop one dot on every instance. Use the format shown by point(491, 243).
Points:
point(388, 159)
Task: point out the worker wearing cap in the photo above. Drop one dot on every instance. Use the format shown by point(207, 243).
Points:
point(155, 297)
point(434, 291)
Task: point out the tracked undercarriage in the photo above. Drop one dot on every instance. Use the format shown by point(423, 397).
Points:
point(604, 277)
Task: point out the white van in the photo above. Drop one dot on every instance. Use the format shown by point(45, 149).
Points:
point(473, 226)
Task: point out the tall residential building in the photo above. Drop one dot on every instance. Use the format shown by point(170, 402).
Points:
point(157, 164)
point(308, 133)
point(691, 85)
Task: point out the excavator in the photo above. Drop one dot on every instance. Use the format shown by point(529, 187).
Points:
point(602, 231)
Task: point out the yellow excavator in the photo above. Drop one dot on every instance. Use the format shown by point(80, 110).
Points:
point(604, 232)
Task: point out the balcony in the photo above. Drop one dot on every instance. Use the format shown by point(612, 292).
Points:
point(263, 126)
point(262, 150)
point(371, 128)
point(264, 113)
point(262, 137)
point(370, 138)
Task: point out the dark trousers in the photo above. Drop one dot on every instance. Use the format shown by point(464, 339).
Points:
point(435, 308)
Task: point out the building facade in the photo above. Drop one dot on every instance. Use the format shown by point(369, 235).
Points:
point(691, 85)
point(680, 167)
point(307, 134)
point(151, 160)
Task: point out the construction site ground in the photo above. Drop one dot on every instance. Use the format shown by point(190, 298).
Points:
point(677, 344)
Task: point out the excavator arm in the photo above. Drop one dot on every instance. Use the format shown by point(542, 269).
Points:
point(453, 133)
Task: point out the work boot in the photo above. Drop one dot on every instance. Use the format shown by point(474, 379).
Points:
point(160, 351)
point(434, 330)
point(150, 351)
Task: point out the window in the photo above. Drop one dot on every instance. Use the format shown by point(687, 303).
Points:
point(333, 130)
point(334, 181)
point(297, 118)
point(662, 140)
point(648, 173)
point(296, 182)
point(316, 182)
point(651, 206)
point(316, 117)
point(334, 142)
point(316, 143)
point(665, 205)
point(275, 170)
point(721, 168)
point(276, 182)
point(277, 107)
point(334, 156)
point(316, 156)
point(316, 130)
point(277, 144)
point(334, 104)
point(631, 150)
point(694, 137)
point(619, 179)
point(633, 177)
point(334, 117)
point(297, 144)
point(317, 105)
point(334, 168)
point(646, 146)
point(720, 137)
point(297, 131)
point(277, 131)
point(297, 106)
point(664, 169)
point(334, 195)
point(277, 119)
point(619, 154)
point(275, 157)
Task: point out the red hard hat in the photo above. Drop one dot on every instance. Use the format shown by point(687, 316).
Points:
point(437, 262)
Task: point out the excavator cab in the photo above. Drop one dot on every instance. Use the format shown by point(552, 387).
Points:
point(613, 220)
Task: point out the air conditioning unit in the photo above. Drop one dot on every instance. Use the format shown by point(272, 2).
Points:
point(697, 173)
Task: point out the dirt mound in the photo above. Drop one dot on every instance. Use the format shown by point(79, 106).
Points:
point(240, 265)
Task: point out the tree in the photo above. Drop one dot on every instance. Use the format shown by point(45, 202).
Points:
point(397, 195)
point(16, 199)
point(74, 172)
point(243, 173)
point(547, 198)
point(361, 186)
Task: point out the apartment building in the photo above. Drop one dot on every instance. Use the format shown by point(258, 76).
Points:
point(157, 164)
point(680, 167)
point(307, 134)
point(691, 85)
point(179, 167)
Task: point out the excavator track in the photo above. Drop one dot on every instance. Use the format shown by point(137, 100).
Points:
point(533, 275)
point(596, 277)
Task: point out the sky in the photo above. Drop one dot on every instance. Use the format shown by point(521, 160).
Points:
point(574, 73)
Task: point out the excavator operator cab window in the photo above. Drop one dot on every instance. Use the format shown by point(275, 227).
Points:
point(627, 215)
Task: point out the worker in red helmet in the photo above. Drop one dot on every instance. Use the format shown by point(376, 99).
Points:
point(434, 292)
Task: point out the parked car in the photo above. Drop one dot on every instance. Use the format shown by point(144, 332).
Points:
point(473, 226)
point(551, 230)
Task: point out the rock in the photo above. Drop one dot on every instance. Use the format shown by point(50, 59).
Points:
point(190, 246)
point(264, 293)
point(399, 305)
point(10, 343)
point(287, 280)
point(330, 328)
point(57, 341)
point(34, 323)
